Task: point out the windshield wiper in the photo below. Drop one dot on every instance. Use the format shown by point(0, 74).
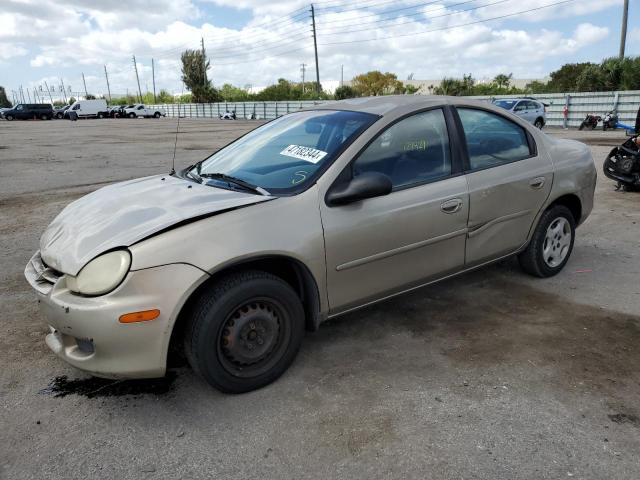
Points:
point(236, 181)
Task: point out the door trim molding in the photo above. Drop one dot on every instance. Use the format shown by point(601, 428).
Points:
point(478, 229)
point(403, 249)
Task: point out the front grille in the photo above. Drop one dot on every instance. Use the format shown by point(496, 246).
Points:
point(40, 275)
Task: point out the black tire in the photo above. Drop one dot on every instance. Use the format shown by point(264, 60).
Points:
point(245, 331)
point(539, 123)
point(44, 117)
point(581, 126)
point(59, 116)
point(132, 115)
point(9, 117)
point(156, 115)
point(532, 259)
point(100, 115)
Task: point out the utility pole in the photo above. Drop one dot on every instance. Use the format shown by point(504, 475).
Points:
point(153, 75)
point(49, 91)
point(303, 67)
point(106, 76)
point(342, 75)
point(64, 91)
point(623, 32)
point(86, 94)
point(204, 64)
point(135, 66)
point(315, 47)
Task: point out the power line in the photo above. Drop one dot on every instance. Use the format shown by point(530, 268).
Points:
point(451, 26)
point(340, 32)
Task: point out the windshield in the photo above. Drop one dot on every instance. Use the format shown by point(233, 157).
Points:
point(283, 155)
point(506, 104)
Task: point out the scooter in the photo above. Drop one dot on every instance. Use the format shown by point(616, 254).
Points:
point(590, 121)
point(610, 120)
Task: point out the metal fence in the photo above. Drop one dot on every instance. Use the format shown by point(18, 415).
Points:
point(258, 110)
point(578, 105)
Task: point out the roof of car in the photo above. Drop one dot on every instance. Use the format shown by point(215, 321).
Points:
point(383, 105)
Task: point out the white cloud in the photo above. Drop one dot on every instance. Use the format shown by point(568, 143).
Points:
point(84, 35)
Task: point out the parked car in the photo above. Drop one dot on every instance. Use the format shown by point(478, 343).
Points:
point(115, 110)
point(59, 112)
point(307, 217)
point(530, 109)
point(29, 111)
point(140, 110)
point(88, 109)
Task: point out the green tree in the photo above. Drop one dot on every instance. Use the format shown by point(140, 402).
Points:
point(194, 76)
point(230, 93)
point(565, 79)
point(72, 100)
point(344, 91)
point(376, 83)
point(592, 79)
point(503, 81)
point(4, 101)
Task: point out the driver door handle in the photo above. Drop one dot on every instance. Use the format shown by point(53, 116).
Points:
point(537, 183)
point(451, 206)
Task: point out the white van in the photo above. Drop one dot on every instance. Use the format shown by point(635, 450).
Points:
point(89, 108)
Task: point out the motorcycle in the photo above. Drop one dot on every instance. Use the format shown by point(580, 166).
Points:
point(610, 120)
point(228, 115)
point(623, 162)
point(590, 121)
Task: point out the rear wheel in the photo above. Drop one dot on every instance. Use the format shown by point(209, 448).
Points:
point(539, 123)
point(132, 115)
point(551, 244)
point(100, 115)
point(156, 115)
point(44, 117)
point(245, 331)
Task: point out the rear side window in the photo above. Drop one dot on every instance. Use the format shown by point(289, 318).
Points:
point(492, 140)
point(413, 151)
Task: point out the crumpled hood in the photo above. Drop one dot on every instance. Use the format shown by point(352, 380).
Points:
point(123, 213)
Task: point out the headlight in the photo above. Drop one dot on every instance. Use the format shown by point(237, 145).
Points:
point(102, 274)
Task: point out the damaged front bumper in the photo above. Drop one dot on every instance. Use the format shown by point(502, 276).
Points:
point(86, 331)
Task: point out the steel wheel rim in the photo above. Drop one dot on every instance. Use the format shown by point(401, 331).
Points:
point(557, 242)
point(253, 337)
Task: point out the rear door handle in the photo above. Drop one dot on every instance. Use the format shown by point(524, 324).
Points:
point(537, 183)
point(451, 206)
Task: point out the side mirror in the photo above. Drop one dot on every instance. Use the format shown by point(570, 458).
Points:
point(365, 185)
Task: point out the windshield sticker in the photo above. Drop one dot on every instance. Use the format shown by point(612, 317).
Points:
point(304, 153)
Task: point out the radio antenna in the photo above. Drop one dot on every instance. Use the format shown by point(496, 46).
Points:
point(175, 144)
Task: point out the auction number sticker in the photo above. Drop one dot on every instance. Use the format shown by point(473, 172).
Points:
point(304, 153)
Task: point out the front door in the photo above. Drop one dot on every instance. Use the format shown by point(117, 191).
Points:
point(387, 244)
point(509, 181)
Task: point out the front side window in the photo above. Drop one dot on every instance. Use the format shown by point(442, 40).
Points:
point(492, 139)
point(415, 150)
point(285, 154)
point(76, 107)
point(521, 107)
point(19, 107)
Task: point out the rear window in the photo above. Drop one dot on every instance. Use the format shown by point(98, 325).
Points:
point(506, 104)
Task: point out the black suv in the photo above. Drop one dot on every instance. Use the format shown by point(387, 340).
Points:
point(27, 111)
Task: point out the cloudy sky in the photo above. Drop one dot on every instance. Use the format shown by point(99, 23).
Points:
point(255, 42)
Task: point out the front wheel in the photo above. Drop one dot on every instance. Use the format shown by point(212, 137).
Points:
point(539, 123)
point(551, 243)
point(156, 115)
point(132, 115)
point(245, 331)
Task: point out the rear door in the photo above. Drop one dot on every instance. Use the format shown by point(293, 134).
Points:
point(509, 181)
